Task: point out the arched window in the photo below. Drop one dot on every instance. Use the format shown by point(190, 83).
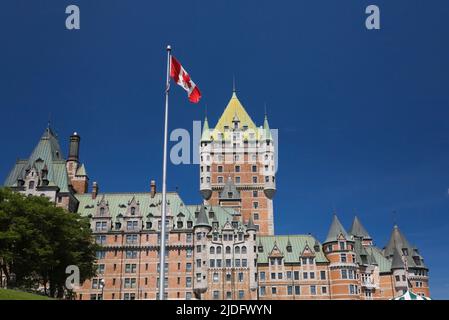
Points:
point(237, 250)
point(212, 250)
point(244, 250)
point(102, 211)
point(218, 250)
point(228, 249)
point(133, 210)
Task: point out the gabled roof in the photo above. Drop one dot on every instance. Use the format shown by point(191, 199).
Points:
point(46, 153)
point(229, 191)
point(336, 229)
point(358, 230)
point(234, 109)
point(298, 243)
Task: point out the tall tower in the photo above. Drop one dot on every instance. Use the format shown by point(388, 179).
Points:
point(237, 166)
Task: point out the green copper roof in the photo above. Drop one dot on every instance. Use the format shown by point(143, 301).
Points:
point(266, 129)
point(206, 136)
point(147, 207)
point(298, 244)
point(251, 225)
point(358, 230)
point(383, 263)
point(335, 230)
point(46, 153)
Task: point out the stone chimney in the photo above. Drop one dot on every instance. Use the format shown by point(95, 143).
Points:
point(94, 190)
point(74, 148)
point(152, 188)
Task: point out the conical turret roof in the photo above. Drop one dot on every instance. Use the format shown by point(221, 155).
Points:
point(335, 230)
point(358, 230)
point(202, 219)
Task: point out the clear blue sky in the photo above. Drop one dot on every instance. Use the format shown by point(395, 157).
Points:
point(363, 116)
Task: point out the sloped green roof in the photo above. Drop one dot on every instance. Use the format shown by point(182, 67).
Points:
point(298, 244)
point(46, 153)
point(202, 220)
point(383, 263)
point(335, 230)
point(118, 204)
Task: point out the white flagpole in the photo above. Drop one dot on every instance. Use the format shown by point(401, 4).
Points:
point(164, 187)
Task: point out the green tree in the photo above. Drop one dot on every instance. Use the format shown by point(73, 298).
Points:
point(38, 241)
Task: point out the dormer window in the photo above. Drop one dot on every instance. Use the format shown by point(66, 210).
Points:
point(235, 224)
point(179, 225)
point(230, 195)
point(215, 225)
point(133, 211)
point(405, 251)
point(260, 248)
point(102, 211)
point(289, 248)
point(189, 224)
point(31, 185)
point(149, 225)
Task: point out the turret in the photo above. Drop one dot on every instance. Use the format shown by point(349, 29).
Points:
point(339, 250)
point(358, 231)
point(268, 161)
point(201, 229)
point(205, 162)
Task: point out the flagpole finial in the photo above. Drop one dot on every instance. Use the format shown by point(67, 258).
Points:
point(169, 48)
point(233, 84)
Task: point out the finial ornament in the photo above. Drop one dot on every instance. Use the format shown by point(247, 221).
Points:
point(169, 48)
point(233, 84)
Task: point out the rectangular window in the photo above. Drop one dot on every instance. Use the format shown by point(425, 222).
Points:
point(273, 290)
point(241, 294)
point(297, 290)
point(313, 290)
point(323, 275)
point(262, 291)
point(296, 274)
point(324, 290)
point(289, 290)
point(262, 276)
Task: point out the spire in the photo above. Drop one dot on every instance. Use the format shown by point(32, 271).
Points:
point(233, 85)
point(358, 230)
point(266, 128)
point(335, 230)
point(251, 225)
point(202, 220)
point(205, 136)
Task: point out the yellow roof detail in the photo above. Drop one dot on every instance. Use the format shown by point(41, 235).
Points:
point(233, 110)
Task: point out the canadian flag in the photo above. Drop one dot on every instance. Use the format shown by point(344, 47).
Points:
point(180, 75)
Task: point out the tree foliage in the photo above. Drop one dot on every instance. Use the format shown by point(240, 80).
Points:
point(39, 240)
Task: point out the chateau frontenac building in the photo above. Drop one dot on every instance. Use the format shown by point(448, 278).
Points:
point(224, 247)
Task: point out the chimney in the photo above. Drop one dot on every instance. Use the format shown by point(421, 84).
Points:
point(74, 148)
point(152, 188)
point(94, 190)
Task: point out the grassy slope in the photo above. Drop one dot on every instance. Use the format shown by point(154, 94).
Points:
point(6, 294)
